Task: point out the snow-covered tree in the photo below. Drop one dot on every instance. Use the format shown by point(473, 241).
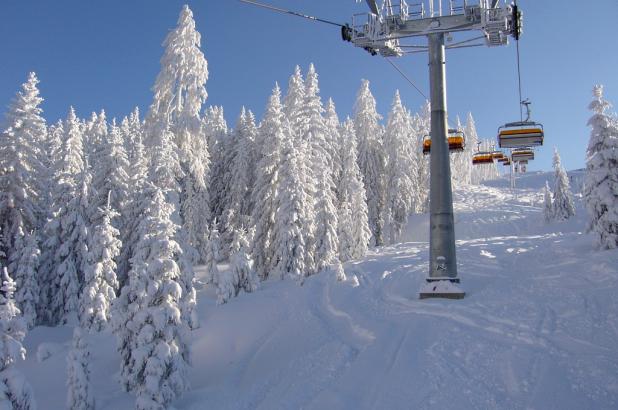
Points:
point(79, 395)
point(179, 93)
point(548, 206)
point(70, 226)
point(100, 281)
point(240, 186)
point(138, 171)
point(353, 226)
point(564, 208)
point(601, 182)
point(151, 333)
point(26, 278)
point(333, 145)
point(241, 264)
point(371, 159)
point(318, 184)
point(21, 170)
point(15, 392)
point(420, 125)
point(212, 251)
point(401, 189)
point(220, 148)
point(289, 232)
point(110, 177)
point(273, 131)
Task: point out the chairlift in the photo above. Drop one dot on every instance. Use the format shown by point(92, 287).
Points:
point(525, 154)
point(521, 133)
point(482, 157)
point(497, 155)
point(456, 141)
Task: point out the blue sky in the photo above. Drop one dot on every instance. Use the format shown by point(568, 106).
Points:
point(95, 55)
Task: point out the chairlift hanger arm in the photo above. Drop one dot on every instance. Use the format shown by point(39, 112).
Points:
point(292, 13)
point(373, 5)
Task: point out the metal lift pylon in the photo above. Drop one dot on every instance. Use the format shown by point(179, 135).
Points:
point(442, 256)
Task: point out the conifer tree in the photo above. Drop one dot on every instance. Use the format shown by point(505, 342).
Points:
point(273, 131)
point(400, 184)
point(138, 170)
point(353, 226)
point(110, 177)
point(212, 251)
point(179, 93)
point(548, 206)
point(149, 327)
point(100, 280)
point(21, 170)
point(80, 395)
point(219, 144)
point(241, 264)
point(333, 145)
point(15, 391)
point(289, 236)
point(371, 159)
point(26, 269)
point(241, 178)
point(601, 181)
point(564, 208)
point(70, 226)
point(420, 123)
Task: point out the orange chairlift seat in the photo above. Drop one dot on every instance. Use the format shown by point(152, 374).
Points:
point(522, 133)
point(482, 158)
point(498, 155)
point(456, 141)
point(524, 154)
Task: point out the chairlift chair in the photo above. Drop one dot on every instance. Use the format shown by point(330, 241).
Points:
point(521, 133)
point(524, 154)
point(480, 158)
point(456, 141)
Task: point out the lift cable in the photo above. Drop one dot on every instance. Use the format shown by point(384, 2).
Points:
point(521, 112)
point(406, 77)
point(293, 13)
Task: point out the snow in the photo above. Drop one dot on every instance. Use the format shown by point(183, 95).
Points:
point(536, 330)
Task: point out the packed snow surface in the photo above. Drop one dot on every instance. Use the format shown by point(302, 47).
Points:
point(536, 330)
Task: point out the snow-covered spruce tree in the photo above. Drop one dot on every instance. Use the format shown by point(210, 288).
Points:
point(15, 391)
point(238, 202)
point(164, 167)
point(548, 206)
point(212, 250)
point(353, 226)
point(138, 170)
point(95, 138)
point(21, 170)
point(371, 159)
point(290, 230)
point(151, 333)
point(100, 282)
point(564, 208)
point(179, 93)
point(70, 224)
point(241, 264)
point(26, 268)
point(219, 146)
point(273, 131)
point(79, 394)
point(420, 125)
point(293, 102)
point(110, 177)
point(333, 145)
point(320, 188)
point(601, 181)
point(400, 170)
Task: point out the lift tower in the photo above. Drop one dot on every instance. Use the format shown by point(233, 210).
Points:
point(383, 31)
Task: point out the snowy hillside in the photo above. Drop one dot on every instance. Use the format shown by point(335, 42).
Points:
point(537, 329)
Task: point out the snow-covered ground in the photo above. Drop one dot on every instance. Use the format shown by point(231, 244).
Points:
point(537, 329)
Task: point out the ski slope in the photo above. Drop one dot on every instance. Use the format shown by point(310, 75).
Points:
point(537, 329)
